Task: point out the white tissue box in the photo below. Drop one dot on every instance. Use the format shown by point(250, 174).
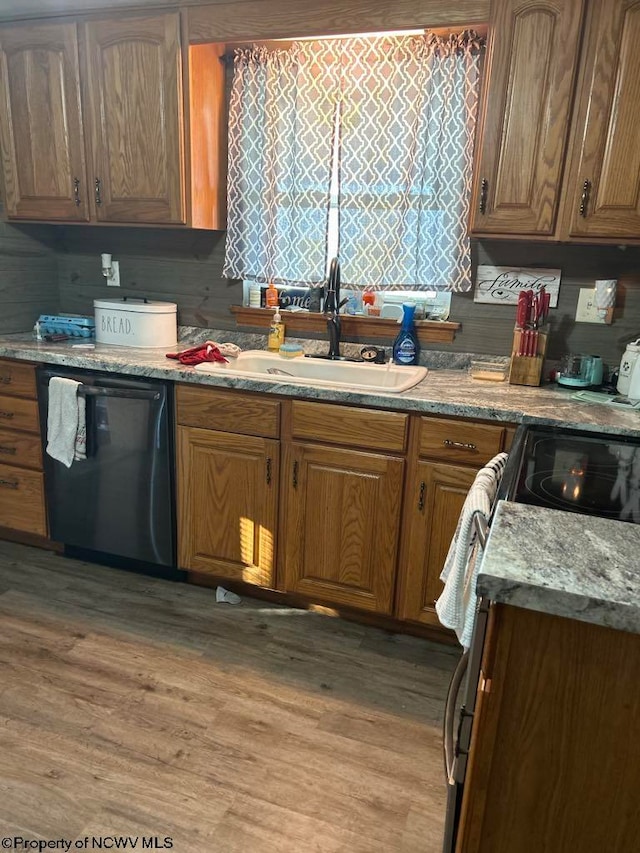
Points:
point(132, 322)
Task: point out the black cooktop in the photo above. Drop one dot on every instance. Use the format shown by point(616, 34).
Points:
point(584, 472)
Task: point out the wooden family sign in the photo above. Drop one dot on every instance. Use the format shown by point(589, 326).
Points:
point(501, 285)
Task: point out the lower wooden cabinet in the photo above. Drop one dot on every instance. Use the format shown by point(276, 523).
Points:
point(554, 764)
point(449, 452)
point(227, 504)
point(22, 500)
point(435, 494)
point(341, 525)
point(360, 513)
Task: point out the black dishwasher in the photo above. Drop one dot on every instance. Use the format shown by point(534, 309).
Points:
point(117, 505)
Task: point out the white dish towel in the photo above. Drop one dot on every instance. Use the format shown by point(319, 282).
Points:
point(66, 421)
point(456, 606)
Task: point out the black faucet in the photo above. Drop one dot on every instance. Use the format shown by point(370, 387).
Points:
point(332, 307)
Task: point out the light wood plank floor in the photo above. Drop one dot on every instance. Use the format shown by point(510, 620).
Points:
point(135, 706)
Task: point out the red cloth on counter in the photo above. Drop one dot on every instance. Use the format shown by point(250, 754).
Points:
point(207, 351)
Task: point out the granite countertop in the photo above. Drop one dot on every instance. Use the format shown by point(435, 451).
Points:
point(562, 563)
point(444, 391)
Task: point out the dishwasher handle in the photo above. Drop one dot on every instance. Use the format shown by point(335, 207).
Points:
point(128, 393)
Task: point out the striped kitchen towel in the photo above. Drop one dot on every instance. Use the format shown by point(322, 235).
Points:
point(456, 606)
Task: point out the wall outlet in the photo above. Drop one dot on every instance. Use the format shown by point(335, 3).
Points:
point(114, 279)
point(586, 312)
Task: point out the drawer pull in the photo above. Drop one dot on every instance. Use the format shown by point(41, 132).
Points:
point(268, 470)
point(423, 486)
point(295, 475)
point(9, 484)
point(6, 380)
point(460, 445)
point(584, 198)
point(8, 451)
point(76, 191)
point(7, 415)
point(98, 191)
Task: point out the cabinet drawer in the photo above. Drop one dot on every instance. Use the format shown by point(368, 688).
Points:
point(349, 427)
point(18, 379)
point(227, 411)
point(460, 441)
point(16, 413)
point(22, 500)
point(19, 448)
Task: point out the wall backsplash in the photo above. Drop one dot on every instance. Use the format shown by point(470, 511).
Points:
point(166, 264)
point(490, 328)
point(185, 267)
point(28, 276)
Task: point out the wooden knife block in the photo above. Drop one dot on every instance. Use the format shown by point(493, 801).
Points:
point(527, 369)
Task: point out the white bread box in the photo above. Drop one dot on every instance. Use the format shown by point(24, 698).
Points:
point(133, 322)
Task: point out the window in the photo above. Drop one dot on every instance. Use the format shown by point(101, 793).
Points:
point(360, 147)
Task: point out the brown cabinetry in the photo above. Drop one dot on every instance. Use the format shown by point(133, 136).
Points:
point(526, 110)
point(342, 494)
point(228, 483)
point(138, 106)
point(552, 764)
point(451, 453)
point(228, 503)
point(41, 134)
point(133, 102)
point(603, 190)
point(22, 505)
point(340, 525)
point(558, 140)
point(345, 506)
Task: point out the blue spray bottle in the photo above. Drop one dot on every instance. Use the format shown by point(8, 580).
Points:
point(406, 348)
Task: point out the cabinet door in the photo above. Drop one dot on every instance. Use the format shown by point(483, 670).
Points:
point(41, 137)
point(435, 495)
point(22, 500)
point(341, 524)
point(134, 110)
point(552, 766)
point(604, 191)
point(523, 129)
point(227, 504)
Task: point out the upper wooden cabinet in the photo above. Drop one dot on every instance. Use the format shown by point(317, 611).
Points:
point(154, 110)
point(41, 138)
point(603, 190)
point(548, 166)
point(133, 102)
point(524, 123)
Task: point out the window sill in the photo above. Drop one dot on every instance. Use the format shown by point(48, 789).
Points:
point(355, 326)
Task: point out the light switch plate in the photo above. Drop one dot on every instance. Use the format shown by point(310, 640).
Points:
point(586, 312)
point(114, 278)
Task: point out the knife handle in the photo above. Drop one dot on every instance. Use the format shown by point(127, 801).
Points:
point(523, 343)
point(522, 310)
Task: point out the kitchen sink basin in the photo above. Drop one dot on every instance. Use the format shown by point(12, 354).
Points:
point(319, 372)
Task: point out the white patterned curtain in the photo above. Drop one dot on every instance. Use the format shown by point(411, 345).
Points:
point(408, 110)
point(281, 137)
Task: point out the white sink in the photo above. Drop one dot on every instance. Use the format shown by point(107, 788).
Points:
point(318, 372)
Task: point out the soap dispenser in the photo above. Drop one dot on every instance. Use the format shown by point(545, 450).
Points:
point(406, 348)
point(276, 333)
